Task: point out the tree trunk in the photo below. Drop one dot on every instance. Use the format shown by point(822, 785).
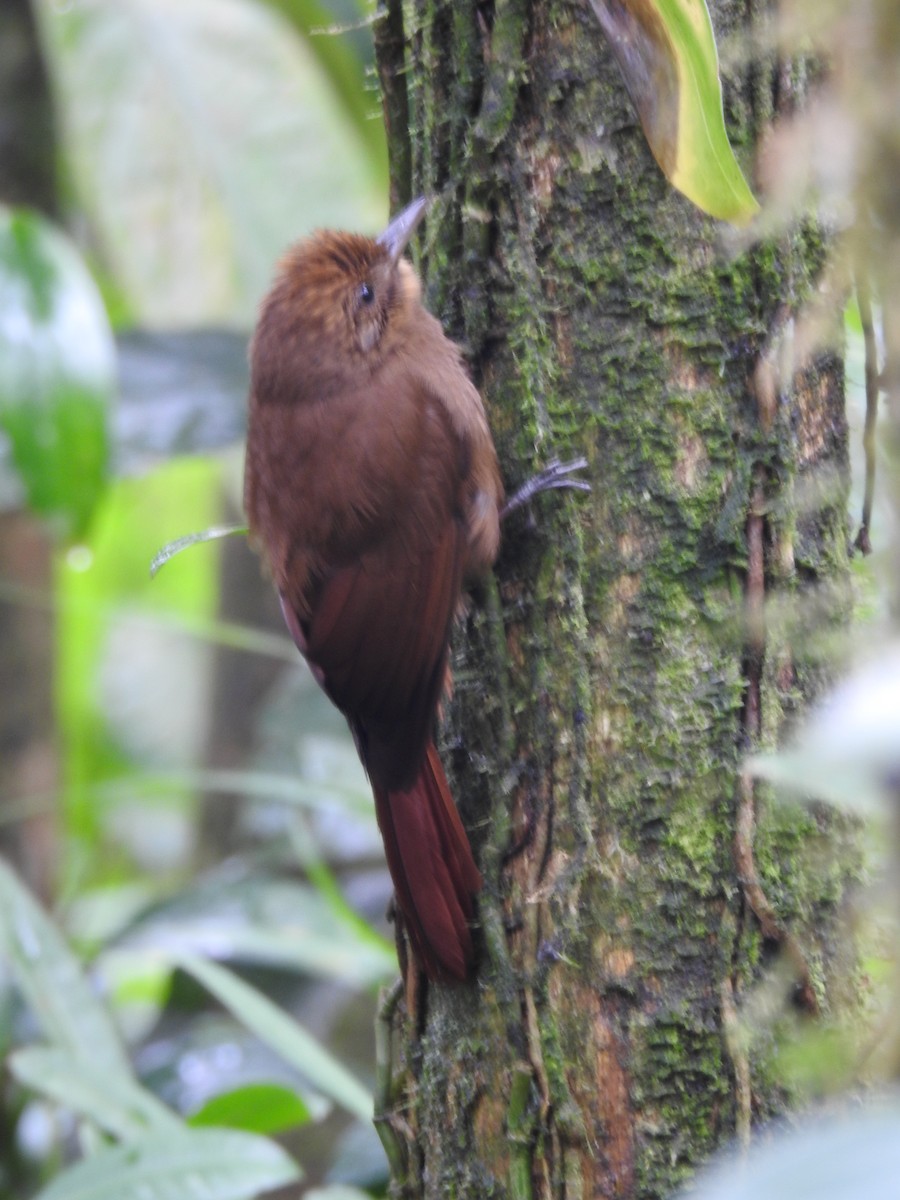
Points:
point(28, 761)
point(632, 645)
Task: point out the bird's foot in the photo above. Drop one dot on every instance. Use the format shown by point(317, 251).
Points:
point(554, 476)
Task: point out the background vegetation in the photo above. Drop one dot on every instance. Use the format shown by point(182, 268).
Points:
point(171, 779)
point(172, 786)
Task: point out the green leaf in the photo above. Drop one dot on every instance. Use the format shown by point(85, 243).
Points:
point(192, 539)
point(55, 987)
point(115, 1103)
point(257, 1108)
point(274, 1027)
point(57, 372)
point(204, 1164)
point(666, 51)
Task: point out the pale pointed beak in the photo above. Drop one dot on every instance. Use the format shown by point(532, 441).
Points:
point(396, 237)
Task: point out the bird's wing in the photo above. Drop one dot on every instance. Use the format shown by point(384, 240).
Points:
point(377, 641)
point(373, 608)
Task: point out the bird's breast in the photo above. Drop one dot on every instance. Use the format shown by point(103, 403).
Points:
point(332, 477)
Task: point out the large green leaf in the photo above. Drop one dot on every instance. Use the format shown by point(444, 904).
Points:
point(666, 52)
point(204, 1164)
point(57, 371)
point(203, 137)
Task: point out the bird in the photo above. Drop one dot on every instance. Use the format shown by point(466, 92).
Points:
point(373, 493)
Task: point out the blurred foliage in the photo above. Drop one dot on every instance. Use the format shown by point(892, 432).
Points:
point(211, 135)
point(839, 157)
point(108, 639)
point(839, 1157)
point(197, 142)
point(57, 367)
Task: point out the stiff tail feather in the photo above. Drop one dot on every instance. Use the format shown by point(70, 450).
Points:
point(431, 864)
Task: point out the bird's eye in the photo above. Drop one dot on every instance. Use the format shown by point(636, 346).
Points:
point(366, 293)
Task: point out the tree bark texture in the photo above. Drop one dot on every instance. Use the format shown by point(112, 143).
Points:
point(28, 761)
point(27, 130)
point(634, 644)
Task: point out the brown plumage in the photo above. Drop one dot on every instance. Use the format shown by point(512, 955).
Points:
point(372, 489)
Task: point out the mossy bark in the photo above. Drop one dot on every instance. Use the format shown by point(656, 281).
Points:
point(623, 658)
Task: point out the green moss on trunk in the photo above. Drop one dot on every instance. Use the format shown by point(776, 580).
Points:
point(599, 720)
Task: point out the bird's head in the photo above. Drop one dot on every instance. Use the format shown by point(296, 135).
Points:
point(349, 291)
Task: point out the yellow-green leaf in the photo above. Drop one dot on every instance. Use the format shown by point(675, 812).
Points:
point(666, 52)
point(267, 1108)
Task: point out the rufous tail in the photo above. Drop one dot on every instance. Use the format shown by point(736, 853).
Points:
point(434, 874)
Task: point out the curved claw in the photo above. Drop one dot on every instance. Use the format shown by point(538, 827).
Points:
point(554, 475)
